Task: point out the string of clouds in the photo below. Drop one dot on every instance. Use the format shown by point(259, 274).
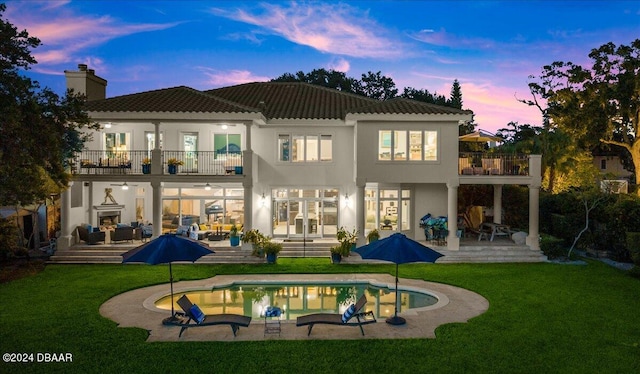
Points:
point(491, 47)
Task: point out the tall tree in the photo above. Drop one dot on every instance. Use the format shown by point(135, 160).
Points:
point(600, 104)
point(39, 131)
point(378, 86)
point(424, 96)
point(455, 99)
point(322, 77)
point(615, 88)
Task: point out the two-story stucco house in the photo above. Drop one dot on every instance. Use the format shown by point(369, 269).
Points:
point(290, 159)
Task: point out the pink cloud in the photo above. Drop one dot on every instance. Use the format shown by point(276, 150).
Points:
point(343, 31)
point(339, 64)
point(445, 39)
point(219, 78)
point(64, 35)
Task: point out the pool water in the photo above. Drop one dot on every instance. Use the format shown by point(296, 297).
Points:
point(299, 299)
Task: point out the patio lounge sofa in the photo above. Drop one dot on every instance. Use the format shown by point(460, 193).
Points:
point(353, 316)
point(122, 233)
point(90, 237)
point(195, 318)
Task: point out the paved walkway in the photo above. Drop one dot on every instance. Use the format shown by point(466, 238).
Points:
point(136, 309)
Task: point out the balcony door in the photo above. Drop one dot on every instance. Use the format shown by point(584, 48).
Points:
point(190, 148)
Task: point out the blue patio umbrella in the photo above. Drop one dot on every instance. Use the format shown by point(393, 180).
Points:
point(164, 249)
point(398, 249)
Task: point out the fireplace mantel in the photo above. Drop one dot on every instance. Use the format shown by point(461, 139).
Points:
point(108, 207)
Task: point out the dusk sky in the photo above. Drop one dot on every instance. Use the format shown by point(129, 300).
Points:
point(491, 47)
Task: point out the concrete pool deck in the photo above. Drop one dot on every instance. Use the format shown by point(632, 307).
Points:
point(136, 308)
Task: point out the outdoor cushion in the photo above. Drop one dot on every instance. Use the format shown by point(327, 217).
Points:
point(203, 227)
point(197, 313)
point(348, 313)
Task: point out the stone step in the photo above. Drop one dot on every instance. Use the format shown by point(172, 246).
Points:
point(474, 253)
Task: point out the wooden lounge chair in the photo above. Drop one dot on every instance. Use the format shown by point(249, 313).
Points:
point(233, 320)
point(358, 318)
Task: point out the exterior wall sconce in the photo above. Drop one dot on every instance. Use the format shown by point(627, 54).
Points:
point(347, 200)
point(263, 200)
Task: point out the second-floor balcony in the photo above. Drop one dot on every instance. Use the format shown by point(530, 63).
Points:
point(139, 162)
point(478, 163)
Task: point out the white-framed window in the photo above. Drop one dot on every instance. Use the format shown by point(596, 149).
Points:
point(403, 145)
point(387, 208)
point(305, 148)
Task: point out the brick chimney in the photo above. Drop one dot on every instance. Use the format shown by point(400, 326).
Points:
point(86, 82)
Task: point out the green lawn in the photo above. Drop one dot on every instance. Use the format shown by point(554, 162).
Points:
point(543, 318)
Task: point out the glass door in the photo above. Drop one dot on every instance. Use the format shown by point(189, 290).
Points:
point(190, 147)
point(298, 213)
point(303, 218)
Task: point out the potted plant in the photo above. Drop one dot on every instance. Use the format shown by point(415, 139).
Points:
point(257, 240)
point(234, 236)
point(146, 165)
point(271, 250)
point(347, 239)
point(339, 251)
point(373, 235)
point(173, 164)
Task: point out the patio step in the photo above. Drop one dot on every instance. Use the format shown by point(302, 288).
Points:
point(306, 249)
point(470, 252)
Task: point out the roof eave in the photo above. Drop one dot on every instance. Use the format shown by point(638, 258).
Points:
point(175, 116)
point(355, 117)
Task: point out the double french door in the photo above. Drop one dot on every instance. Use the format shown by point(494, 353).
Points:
point(301, 217)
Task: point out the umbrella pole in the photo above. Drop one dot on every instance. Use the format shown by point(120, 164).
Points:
point(395, 320)
point(172, 318)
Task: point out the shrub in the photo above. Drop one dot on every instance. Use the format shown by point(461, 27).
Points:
point(633, 245)
point(552, 247)
point(9, 234)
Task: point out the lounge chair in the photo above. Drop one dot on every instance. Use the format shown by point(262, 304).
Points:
point(197, 319)
point(346, 319)
point(90, 237)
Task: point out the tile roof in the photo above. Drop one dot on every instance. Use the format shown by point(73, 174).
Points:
point(293, 100)
point(401, 105)
point(275, 100)
point(176, 99)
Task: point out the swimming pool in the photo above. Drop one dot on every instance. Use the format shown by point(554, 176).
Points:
point(299, 299)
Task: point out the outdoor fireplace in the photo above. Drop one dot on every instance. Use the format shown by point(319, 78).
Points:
point(108, 218)
point(108, 214)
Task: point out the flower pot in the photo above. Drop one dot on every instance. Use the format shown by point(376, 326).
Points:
point(146, 169)
point(271, 258)
point(238, 170)
point(235, 241)
point(173, 169)
point(336, 258)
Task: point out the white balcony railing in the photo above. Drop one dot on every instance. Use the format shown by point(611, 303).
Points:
point(493, 164)
point(131, 162)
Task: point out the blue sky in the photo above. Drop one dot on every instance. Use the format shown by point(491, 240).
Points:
point(491, 47)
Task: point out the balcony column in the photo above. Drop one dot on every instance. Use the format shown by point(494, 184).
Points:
point(248, 207)
point(534, 211)
point(156, 188)
point(66, 231)
point(358, 200)
point(497, 203)
point(156, 153)
point(453, 242)
point(535, 172)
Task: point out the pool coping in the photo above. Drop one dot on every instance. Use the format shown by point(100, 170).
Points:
point(137, 308)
